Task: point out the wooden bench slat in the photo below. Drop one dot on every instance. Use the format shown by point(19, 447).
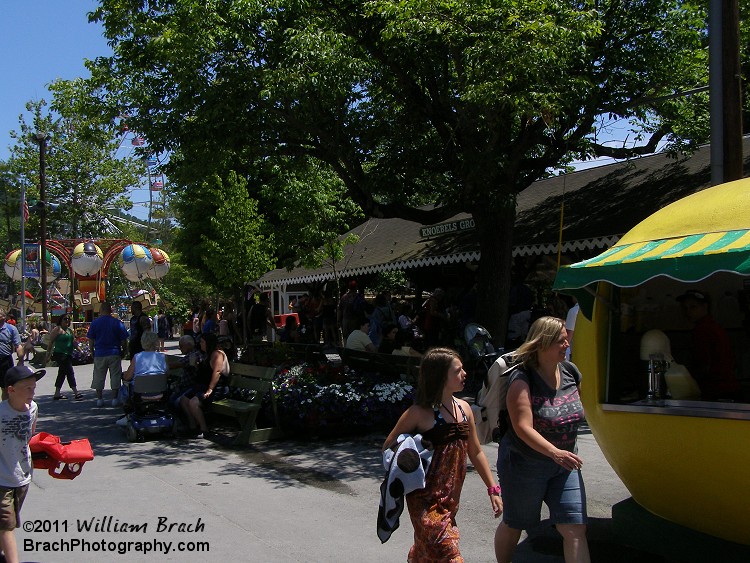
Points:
point(229, 406)
point(392, 364)
point(238, 382)
point(247, 370)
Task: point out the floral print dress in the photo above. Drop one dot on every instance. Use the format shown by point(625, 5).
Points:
point(433, 509)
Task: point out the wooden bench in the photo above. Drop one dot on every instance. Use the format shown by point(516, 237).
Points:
point(392, 366)
point(304, 352)
point(257, 380)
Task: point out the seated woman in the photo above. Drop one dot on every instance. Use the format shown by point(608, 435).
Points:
point(186, 363)
point(210, 383)
point(147, 362)
point(388, 340)
point(290, 332)
point(403, 344)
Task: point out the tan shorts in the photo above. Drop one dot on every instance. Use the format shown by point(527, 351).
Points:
point(11, 501)
point(101, 365)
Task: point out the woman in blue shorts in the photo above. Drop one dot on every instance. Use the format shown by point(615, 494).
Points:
point(537, 460)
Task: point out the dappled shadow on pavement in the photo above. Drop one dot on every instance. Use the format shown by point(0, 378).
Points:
point(326, 464)
point(82, 419)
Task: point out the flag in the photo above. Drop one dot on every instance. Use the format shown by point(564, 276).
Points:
point(138, 141)
point(25, 211)
point(156, 185)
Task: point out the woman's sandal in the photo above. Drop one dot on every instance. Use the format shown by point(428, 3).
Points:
point(78, 396)
point(58, 397)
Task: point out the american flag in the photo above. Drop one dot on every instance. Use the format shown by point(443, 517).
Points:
point(25, 211)
point(138, 141)
point(157, 185)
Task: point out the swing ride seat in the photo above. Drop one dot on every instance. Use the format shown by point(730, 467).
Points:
point(87, 300)
point(95, 301)
point(146, 301)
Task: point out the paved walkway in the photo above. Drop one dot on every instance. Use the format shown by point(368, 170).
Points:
point(193, 500)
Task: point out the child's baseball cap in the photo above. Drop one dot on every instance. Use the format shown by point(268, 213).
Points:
point(19, 373)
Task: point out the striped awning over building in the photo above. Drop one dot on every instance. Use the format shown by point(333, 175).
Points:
point(689, 259)
point(688, 241)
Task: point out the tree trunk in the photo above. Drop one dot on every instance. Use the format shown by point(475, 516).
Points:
point(494, 228)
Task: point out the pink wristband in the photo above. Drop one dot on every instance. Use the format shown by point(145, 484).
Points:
point(494, 490)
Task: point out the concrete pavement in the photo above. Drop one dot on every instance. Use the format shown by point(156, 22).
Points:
point(290, 500)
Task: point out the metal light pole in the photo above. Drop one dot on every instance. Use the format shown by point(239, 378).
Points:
point(23, 256)
point(41, 138)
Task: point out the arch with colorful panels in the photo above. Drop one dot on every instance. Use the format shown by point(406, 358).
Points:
point(89, 262)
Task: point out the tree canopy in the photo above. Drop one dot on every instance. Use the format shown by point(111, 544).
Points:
point(461, 104)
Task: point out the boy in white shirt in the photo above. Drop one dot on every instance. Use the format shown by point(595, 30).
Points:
point(18, 416)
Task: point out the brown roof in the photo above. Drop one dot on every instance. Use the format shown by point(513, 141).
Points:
point(601, 204)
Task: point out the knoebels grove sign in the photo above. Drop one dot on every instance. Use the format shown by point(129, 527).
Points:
point(444, 228)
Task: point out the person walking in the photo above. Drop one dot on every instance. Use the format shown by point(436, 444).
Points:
point(109, 337)
point(448, 424)
point(260, 320)
point(137, 323)
point(346, 316)
point(537, 459)
point(10, 341)
point(61, 345)
point(18, 416)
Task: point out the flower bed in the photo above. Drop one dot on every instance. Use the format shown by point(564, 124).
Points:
point(320, 400)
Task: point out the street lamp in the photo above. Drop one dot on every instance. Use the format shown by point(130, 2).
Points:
point(41, 139)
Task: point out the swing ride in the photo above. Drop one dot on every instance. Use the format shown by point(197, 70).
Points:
point(88, 259)
point(89, 262)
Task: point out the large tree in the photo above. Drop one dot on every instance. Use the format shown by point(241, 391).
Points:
point(458, 103)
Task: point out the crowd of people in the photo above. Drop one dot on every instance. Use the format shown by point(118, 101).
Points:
point(533, 465)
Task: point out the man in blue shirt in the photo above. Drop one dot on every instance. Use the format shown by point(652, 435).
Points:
point(108, 335)
point(10, 341)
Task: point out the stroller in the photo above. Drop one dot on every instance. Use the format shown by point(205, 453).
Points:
point(482, 354)
point(149, 406)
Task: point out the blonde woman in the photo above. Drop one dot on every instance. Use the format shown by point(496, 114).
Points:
point(537, 460)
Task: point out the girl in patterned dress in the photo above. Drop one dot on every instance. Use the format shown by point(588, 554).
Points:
point(448, 423)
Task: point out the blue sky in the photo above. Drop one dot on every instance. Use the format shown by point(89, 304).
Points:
point(41, 40)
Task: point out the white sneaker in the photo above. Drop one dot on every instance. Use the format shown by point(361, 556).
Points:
point(122, 421)
point(100, 402)
point(115, 403)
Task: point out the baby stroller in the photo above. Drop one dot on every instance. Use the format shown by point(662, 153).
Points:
point(482, 354)
point(148, 408)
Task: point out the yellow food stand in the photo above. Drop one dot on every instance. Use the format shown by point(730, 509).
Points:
point(685, 460)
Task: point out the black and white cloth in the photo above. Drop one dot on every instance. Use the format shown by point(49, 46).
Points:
point(406, 464)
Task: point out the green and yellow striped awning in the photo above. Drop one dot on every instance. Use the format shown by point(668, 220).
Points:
point(689, 258)
point(688, 240)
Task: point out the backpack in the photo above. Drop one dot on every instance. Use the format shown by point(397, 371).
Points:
point(505, 366)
